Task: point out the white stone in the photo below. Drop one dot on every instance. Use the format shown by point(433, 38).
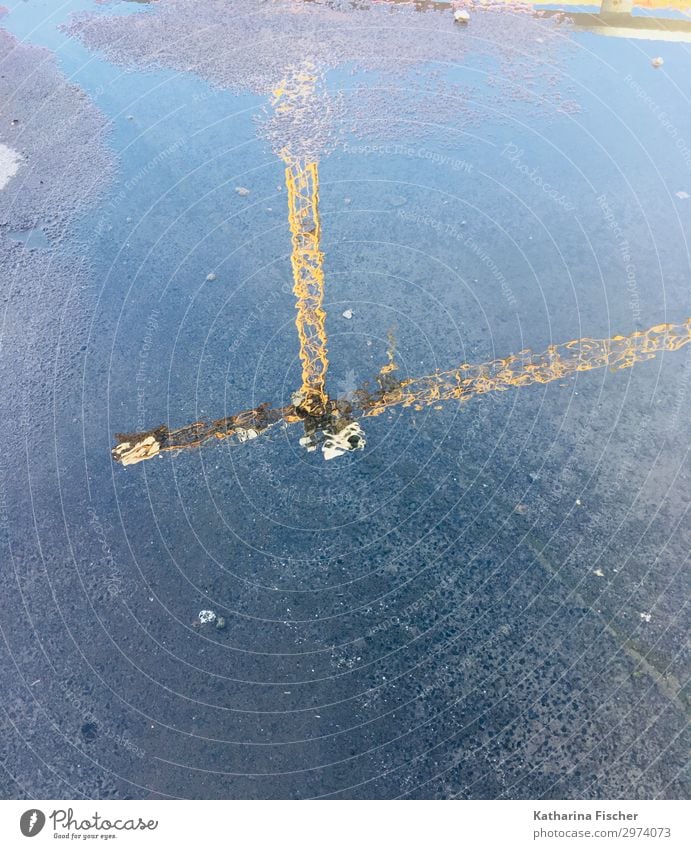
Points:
point(347, 314)
point(10, 161)
point(242, 191)
point(206, 616)
point(461, 16)
point(657, 62)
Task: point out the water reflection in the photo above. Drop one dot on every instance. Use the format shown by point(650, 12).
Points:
point(331, 424)
point(436, 606)
point(302, 183)
point(461, 383)
point(616, 19)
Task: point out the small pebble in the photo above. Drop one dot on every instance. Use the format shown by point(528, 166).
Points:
point(211, 277)
point(347, 314)
point(206, 616)
point(242, 191)
point(646, 617)
point(461, 16)
point(682, 195)
point(657, 62)
point(599, 573)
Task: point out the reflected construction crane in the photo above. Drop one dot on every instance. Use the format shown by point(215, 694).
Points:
point(307, 260)
point(458, 384)
point(333, 424)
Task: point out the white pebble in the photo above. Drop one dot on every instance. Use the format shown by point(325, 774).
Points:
point(657, 62)
point(461, 16)
point(206, 616)
point(347, 314)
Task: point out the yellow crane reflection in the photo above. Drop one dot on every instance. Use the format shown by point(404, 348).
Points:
point(333, 424)
point(302, 183)
point(461, 384)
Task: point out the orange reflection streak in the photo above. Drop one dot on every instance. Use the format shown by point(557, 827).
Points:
point(462, 383)
point(333, 421)
point(302, 181)
point(526, 368)
point(307, 260)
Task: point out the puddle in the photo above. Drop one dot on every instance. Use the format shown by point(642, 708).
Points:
point(33, 239)
point(366, 229)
